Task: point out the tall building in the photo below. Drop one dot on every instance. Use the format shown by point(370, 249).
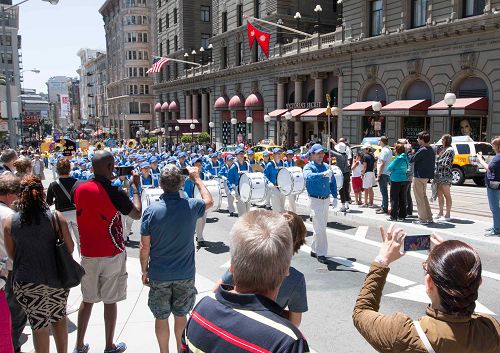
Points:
point(57, 86)
point(59, 102)
point(35, 113)
point(11, 65)
point(405, 55)
point(130, 44)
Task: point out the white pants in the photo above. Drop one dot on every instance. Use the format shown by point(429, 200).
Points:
point(127, 226)
point(230, 198)
point(268, 199)
point(243, 207)
point(200, 226)
point(277, 199)
point(319, 213)
point(70, 217)
point(292, 206)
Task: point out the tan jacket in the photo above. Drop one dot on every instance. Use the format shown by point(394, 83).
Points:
point(396, 332)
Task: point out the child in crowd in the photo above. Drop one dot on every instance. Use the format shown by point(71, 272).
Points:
point(357, 181)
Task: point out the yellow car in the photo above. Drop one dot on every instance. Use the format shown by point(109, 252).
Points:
point(259, 149)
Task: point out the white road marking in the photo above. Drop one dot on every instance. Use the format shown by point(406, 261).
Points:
point(361, 232)
point(418, 294)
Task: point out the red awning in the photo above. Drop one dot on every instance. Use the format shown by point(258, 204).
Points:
point(359, 108)
point(298, 112)
point(164, 107)
point(187, 121)
point(316, 112)
point(174, 106)
point(237, 102)
point(158, 107)
point(416, 107)
point(277, 113)
point(254, 101)
point(463, 106)
point(221, 103)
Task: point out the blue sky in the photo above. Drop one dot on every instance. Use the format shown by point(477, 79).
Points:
point(53, 34)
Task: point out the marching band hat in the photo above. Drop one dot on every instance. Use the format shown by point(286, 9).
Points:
point(289, 152)
point(213, 155)
point(195, 160)
point(182, 154)
point(238, 151)
point(316, 148)
point(229, 156)
point(171, 160)
point(277, 150)
point(265, 153)
point(153, 159)
point(250, 152)
point(144, 165)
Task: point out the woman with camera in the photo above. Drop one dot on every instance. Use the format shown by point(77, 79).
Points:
point(452, 280)
point(492, 179)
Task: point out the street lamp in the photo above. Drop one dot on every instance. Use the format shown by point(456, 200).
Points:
point(250, 132)
point(450, 99)
point(202, 51)
point(170, 134)
point(8, 76)
point(233, 123)
point(267, 119)
point(298, 16)
point(210, 47)
point(318, 9)
point(193, 53)
point(192, 126)
point(288, 117)
point(186, 58)
point(211, 125)
point(177, 128)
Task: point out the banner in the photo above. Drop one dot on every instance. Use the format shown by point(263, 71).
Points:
point(261, 37)
point(65, 105)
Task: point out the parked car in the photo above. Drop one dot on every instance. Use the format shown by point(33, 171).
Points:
point(259, 149)
point(227, 150)
point(465, 165)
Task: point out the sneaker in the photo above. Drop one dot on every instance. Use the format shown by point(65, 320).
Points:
point(84, 349)
point(444, 219)
point(491, 233)
point(347, 205)
point(342, 209)
point(390, 219)
point(119, 347)
point(322, 259)
point(381, 211)
point(423, 223)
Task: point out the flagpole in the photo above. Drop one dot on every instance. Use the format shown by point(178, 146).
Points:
point(280, 26)
point(179, 61)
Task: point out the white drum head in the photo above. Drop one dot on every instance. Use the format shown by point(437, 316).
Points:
point(213, 187)
point(245, 188)
point(149, 196)
point(339, 176)
point(285, 181)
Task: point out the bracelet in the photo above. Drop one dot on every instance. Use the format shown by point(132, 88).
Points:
point(381, 261)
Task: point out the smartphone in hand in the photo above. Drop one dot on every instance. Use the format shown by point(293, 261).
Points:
point(417, 242)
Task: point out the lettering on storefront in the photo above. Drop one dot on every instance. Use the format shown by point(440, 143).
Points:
point(303, 105)
point(136, 122)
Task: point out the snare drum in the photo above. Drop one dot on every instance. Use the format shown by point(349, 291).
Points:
point(339, 177)
point(291, 181)
point(150, 195)
point(252, 187)
point(213, 187)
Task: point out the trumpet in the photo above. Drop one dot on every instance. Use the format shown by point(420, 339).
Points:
point(99, 146)
point(131, 144)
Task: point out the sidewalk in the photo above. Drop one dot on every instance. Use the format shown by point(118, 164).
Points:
point(135, 323)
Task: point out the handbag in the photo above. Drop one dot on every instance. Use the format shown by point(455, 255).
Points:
point(69, 271)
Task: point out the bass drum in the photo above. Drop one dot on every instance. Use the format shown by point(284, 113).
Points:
point(291, 181)
point(150, 195)
point(252, 187)
point(339, 177)
point(213, 187)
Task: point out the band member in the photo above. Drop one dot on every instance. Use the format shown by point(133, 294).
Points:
point(251, 157)
point(189, 193)
point(239, 167)
point(271, 174)
point(320, 183)
point(181, 161)
point(265, 159)
point(223, 173)
point(290, 162)
point(213, 167)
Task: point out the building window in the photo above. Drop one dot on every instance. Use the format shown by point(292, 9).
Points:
point(239, 54)
point(8, 41)
point(167, 20)
point(145, 108)
point(132, 37)
point(224, 21)
point(160, 27)
point(418, 13)
point(473, 7)
point(159, 3)
point(376, 13)
point(176, 43)
point(239, 10)
point(133, 107)
point(224, 57)
point(160, 49)
point(168, 46)
point(133, 89)
point(256, 8)
point(205, 37)
point(205, 13)
point(175, 16)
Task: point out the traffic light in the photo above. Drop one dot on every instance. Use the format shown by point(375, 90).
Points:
point(3, 80)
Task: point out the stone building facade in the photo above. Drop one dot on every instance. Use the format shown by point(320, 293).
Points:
point(130, 44)
point(405, 54)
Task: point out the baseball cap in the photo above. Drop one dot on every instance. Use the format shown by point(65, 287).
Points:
point(250, 152)
point(316, 148)
point(277, 149)
point(144, 165)
point(238, 151)
point(229, 156)
point(182, 154)
point(265, 154)
point(289, 152)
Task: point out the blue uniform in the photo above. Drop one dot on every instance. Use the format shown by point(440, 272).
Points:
point(289, 164)
point(213, 168)
point(316, 184)
point(233, 176)
point(272, 169)
point(189, 186)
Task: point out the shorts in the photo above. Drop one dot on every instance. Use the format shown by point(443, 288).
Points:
point(176, 297)
point(42, 304)
point(369, 180)
point(105, 279)
point(357, 184)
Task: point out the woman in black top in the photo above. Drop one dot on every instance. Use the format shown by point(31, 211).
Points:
point(60, 192)
point(30, 241)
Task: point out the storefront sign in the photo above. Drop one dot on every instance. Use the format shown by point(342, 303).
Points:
point(136, 122)
point(303, 105)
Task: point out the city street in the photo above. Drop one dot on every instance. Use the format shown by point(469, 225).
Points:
point(331, 289)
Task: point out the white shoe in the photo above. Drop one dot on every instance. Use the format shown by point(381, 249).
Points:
point(343, 209)
point(444, 219)
point(347, 205)
point(437, 216)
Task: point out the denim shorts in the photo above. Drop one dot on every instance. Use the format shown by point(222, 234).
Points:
point(176, 297)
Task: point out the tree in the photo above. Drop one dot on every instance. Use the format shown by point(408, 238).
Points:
point(186, 139)
point(204, 137)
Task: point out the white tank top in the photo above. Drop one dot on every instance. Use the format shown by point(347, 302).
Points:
point(356, 172)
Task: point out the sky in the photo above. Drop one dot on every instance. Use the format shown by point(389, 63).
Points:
point(53, 34)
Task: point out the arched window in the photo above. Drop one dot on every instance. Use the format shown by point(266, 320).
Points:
point(375, 92)
point(291, 98)
point(418, 90)
point(472, 87)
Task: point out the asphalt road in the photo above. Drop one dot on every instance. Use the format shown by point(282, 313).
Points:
point(332, 289)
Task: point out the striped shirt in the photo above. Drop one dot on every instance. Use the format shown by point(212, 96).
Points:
point(233, 322)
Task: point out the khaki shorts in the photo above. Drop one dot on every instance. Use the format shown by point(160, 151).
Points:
point(105, 279)
point(369, 180)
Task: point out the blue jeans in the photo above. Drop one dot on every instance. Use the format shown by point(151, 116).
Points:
point(494, 200)
point(383, 182)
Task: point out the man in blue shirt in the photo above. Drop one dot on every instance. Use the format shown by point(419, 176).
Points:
point(167, 252)
point(320, 183)
point(251, 157)
point(239, 167)
point(290, 162)
point(213, 166)
point(265, 160)
point(271, 174)
point(223, 173)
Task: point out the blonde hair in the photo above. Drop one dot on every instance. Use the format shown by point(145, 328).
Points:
point(261, 251)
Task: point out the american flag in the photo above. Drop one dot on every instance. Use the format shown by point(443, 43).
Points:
point(157, 65)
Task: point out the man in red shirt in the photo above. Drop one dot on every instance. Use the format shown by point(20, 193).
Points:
point(99, 207)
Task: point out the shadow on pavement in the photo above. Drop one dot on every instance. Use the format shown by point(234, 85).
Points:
point(216, 247)
point(212, 220)
point(334, 266)
point(461, 221)
point(309, 233)
point(339, 226)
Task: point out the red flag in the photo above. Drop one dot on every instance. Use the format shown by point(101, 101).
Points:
point(262, 38)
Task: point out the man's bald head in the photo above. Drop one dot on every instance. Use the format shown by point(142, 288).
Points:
point(103, 164)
